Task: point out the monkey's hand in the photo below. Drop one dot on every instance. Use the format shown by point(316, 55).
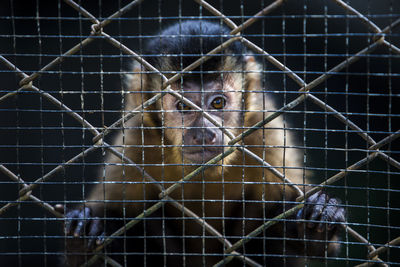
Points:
point(82, 222)
point(319, 221)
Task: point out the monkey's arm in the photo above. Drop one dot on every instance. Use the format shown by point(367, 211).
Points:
point(118, 183)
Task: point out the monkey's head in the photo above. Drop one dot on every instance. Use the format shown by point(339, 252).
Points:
point(221, 86)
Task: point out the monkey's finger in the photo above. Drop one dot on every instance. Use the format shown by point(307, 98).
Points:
point(80, 226)
point(300, 215)
point(83, 216)
point(317, 207)
point(100, 239)
point(313, 198)
point(304, 213)
point(326, 226)
point(95, 228)
point(94, 234)
point(338, 217)
point(91, 242)
point(317, 212)
point(70, 220)
point(328, 215)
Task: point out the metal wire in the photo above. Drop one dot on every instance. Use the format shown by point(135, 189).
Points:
point(378, 39)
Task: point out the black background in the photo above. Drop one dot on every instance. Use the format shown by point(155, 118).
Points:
point(36, 136)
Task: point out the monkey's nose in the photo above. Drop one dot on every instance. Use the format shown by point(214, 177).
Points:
point(207, 137)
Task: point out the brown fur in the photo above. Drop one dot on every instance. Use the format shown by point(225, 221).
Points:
point(234, 197)
point(143, 146)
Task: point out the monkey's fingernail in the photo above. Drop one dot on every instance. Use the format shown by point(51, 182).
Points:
point(250, 59)
point(59, 208)
point(99, 241)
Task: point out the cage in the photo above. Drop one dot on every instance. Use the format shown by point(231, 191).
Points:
point(122, 147)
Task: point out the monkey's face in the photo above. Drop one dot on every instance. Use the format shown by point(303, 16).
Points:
point(195, 138)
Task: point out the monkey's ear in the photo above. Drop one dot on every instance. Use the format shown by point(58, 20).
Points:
point(253, 73)
point(253, 83)
point(137, 78)
point(135, 83)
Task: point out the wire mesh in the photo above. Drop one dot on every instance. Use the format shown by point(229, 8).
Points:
point(332, 68)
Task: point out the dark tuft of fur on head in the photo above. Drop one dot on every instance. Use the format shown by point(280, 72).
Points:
point(184, 42)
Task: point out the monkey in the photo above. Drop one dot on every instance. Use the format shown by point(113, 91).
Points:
point(170, 139)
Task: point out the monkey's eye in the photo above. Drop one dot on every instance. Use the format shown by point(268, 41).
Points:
point(182, 106)
point(218, 103)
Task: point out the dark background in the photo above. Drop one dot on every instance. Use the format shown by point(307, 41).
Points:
point(35, 136)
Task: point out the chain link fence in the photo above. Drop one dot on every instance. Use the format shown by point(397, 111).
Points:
point(334, 66)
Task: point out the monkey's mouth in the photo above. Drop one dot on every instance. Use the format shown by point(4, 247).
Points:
point(200, 154)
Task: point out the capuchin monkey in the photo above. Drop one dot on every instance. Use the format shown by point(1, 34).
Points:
point(170, 139)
